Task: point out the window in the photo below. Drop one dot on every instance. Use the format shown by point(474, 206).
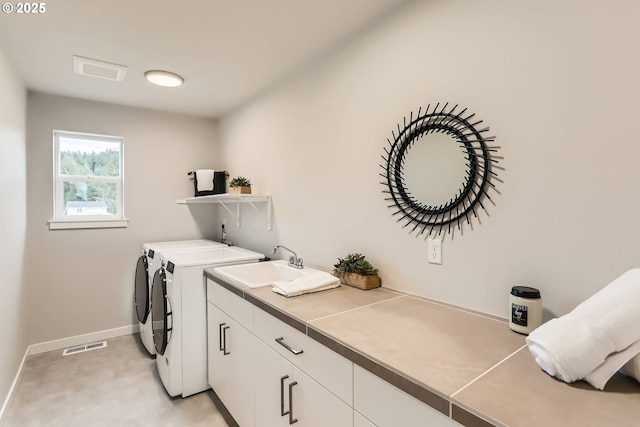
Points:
point(88, 188)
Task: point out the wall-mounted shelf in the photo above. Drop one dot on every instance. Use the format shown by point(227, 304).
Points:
point(228, 199)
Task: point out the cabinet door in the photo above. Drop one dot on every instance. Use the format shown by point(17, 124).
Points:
point(315, 406)
point(273, 376)
point(387, 406)
point(327, 367)
point(287, 396)
point(230, 365)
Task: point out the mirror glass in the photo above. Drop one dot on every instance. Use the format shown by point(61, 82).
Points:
point(435, 169)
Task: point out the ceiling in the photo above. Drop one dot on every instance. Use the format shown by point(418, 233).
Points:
point(227, 51)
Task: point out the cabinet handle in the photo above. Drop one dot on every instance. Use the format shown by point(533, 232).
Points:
point(291, 419)
point(282, 411)
point(285, 345)
point(221, 348)
point(224, 341)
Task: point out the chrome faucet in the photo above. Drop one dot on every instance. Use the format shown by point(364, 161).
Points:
point(294, 261)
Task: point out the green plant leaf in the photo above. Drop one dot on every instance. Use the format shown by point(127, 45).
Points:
point(240, 181)
point(355, 263)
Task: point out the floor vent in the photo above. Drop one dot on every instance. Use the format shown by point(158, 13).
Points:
point(83, 348)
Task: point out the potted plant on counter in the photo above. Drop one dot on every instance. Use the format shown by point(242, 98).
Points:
point(240, 185)
point(354, 270)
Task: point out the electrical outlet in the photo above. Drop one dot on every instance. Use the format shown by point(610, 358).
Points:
point(434, 251)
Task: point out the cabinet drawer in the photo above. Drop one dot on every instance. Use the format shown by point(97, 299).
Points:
point(322, 364)
point(237, 308)
point(387, 406)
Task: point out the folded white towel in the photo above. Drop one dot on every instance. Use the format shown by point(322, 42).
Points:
point(314, 282)
point(573, 346)
point(612, 364)
point(632, 368)
point(205, 179)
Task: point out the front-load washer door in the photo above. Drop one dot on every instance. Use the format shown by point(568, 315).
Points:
point(141, 293)
point(161, 317)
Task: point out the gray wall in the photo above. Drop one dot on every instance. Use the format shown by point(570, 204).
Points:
point(558, 85)
point(13, 222)
point(81, 281)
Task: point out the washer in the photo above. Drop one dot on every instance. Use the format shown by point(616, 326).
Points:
point(145, 268)
point(179, 314)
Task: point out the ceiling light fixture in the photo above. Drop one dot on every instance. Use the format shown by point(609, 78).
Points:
point(163, 78)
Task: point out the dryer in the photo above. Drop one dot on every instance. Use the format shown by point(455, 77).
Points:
point(145, 268)
point(179, 314)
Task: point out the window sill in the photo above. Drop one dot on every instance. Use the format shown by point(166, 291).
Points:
point(84, 224)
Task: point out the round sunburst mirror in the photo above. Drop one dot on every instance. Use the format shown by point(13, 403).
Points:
point(439, 169)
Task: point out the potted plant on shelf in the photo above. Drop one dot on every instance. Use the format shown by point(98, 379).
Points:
point(354, 270)
point(240, 185)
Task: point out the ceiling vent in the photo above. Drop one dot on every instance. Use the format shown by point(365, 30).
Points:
point(95, 68)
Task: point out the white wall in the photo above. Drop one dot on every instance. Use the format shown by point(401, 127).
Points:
point(13, 223)
point(558, 84)
point(81, 281)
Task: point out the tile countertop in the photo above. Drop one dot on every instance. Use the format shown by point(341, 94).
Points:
point(466, 365)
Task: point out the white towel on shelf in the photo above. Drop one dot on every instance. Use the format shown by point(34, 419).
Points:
point(314, 282)
point(205, 179)
point(604, 326)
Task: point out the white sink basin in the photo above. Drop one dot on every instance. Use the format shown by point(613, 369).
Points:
point(260, 274)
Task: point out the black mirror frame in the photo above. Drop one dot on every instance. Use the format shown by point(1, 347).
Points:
point(480, 158)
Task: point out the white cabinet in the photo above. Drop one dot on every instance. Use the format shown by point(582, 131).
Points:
point(325, 366)
point(269, 374)
point(230, 365)
point(272, 387)
point(265, 388)
point(318, 407)
point(385, 405)
point(287, 396)
point(230, 361)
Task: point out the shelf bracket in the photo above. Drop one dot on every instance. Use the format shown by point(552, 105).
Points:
point(268, 213)
point(269, 208)
point(225, 206)
point(238, 213)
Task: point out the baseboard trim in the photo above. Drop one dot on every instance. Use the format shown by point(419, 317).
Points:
point(81, 339)
point(16, 379)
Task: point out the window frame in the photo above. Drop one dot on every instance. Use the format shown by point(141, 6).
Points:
point(63, 221)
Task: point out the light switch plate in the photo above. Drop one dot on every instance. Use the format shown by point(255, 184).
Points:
point(434, 251)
